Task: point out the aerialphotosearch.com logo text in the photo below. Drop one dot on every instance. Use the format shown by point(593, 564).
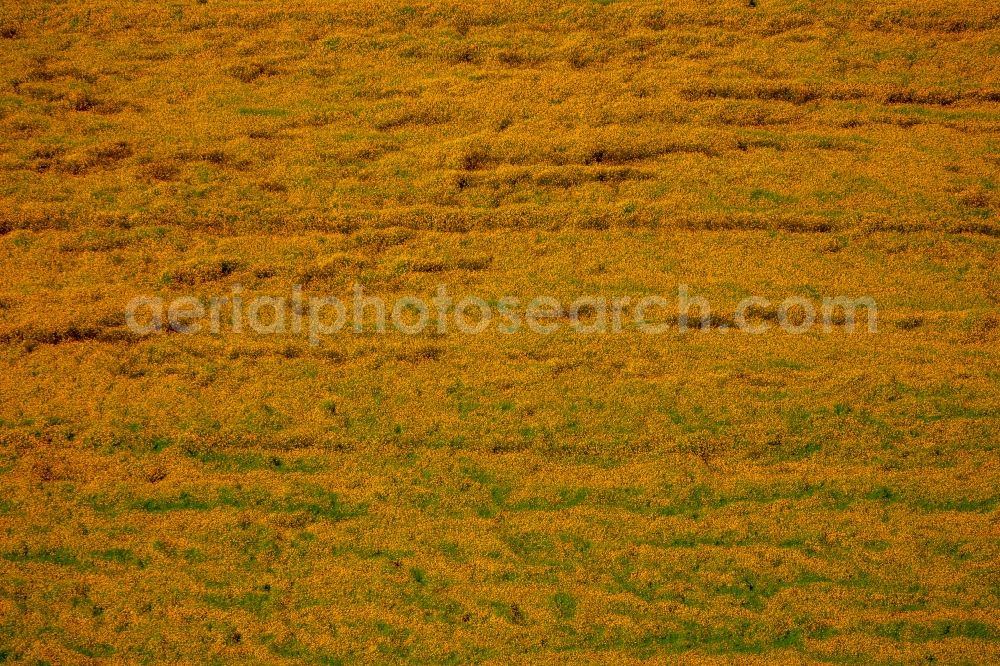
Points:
point(320, 316)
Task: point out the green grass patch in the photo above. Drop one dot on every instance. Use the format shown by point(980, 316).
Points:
point(262, 112)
